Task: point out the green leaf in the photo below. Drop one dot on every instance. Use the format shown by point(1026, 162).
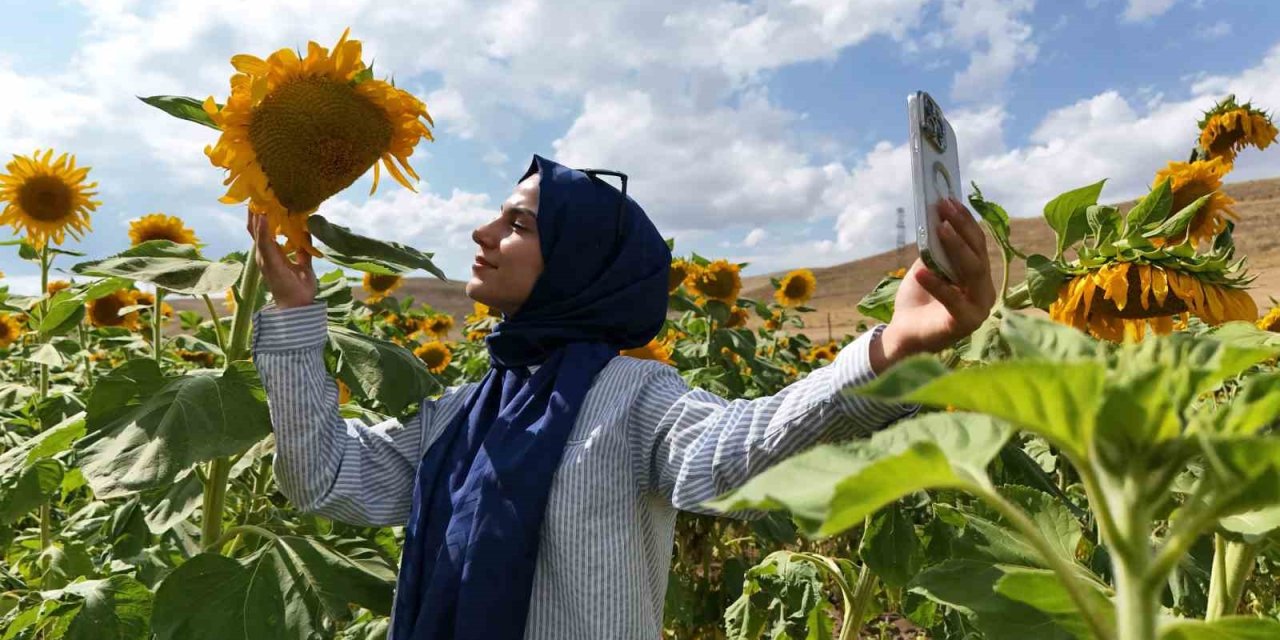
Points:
point(379, 369)
point(1258, 522)
point(1153, 206)
point(176, 267)
point(1043, 590)
point(1178, 222)
point(48, 355)
point(1032, 337)
point(1056, 400)
point(891, 547)
point(178, 501)
point(192, 418)
point(831, 488)
point(65, 313)
point(28, 472)
point(1052, 518)
point(347, 248)
point(288, 589)
point(182, 108)
point(1254, 406)
point(1044, 280)
point(879, 303)
point(116, 608)
point(994, 215)
point(779, 598)
point(1066, 214)
point(1228, 628)
point(970, 586)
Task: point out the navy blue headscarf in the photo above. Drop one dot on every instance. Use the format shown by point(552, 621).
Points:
point(481, 489)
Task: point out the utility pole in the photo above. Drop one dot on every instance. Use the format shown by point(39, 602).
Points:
point(902, 238)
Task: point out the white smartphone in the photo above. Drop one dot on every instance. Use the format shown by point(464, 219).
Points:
point(935, 176)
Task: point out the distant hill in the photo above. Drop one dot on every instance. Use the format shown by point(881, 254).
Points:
point(1257, 235)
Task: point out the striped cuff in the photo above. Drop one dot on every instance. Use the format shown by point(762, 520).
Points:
point(852, 368)
point(276, 329)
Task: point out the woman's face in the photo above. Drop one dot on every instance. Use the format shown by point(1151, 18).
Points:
point(508, 253)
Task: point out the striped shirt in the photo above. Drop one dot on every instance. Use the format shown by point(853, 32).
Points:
point(644, 445)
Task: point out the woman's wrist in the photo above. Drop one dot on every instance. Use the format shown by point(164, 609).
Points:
point(886, 350)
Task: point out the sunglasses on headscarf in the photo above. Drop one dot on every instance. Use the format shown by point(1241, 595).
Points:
point(595, 174)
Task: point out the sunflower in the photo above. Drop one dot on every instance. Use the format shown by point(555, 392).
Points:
point(680, 271)
point(796, 288)
point(55, 286)
point(1189, 182)
point(823, 352)
point(1119, 300)
point(654, 350)
point(435, 354)
point(379, 286)
point(900, 272)
point(774, 322)
point(1228, 128)
point(158, 226)
point(105, 311)
point(205, 359)
point(1271, 321)
point(230, 302)
point(48, 198)
point(10, 330)
point(148, 299)
point(438, 325)
point(717, 281)
point(477, 335)
point(737, 317)
point(344, 393)
point(296, 131)
point(480, 312)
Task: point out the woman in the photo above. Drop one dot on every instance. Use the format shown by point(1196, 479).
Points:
point(540, 503)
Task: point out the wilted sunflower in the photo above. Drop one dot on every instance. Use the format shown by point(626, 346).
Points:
point(438, 325)
point(205, 359)
point(296, 131)
point(435, 354)
point(10, 330)
point(105, 311)
point(48, 198)
point(55, 286)
point(654, 350)
point(680, 271)
point(737, 318)
point(1271, 321)
point(379, 286)
point(1119, 300)
point(826, 352)
point(717, 281)
point(344, 393)
point(796, 288)
point(158, 226)
point(1190, 182)
point(1228, 128)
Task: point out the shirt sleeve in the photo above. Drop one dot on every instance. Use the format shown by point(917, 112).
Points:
point(324, 464)
point(690, 445)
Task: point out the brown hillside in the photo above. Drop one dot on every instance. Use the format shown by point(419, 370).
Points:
point(840, 287)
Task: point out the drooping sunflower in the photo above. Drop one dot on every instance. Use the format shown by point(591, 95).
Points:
point(379, 286)
point(717, 281)
point(55, 286)
point(438, 325)
point(822, 353)
point(10, 330)
point(654, 350)
point(1189, 182)
point(1271, 321)
point(105, 311)
point(1228, 128)
point(796, 288)
point(296, 131)
point(1118, 301)
point(737, 318)
point(45, 198)
point(205, 359)
point(680, 271)
point(158, 226)
point(435, 355)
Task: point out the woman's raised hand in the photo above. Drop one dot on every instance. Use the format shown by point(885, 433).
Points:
point(292, 284)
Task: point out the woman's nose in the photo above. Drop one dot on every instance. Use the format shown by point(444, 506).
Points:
point(483, 236)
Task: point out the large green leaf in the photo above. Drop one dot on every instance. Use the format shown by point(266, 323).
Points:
point(183, 108)
point(1258, 522)
point(831, 488)
point(1056, 400)
point(380, 369)
point(28, 472)
point(176, 267)
point(970, 586)
point(1229, 628)
point(1066, 214)
point(367, 254)
point(891, 547)
point(780, 597)
point(285, 590)
point(1043, 590)
point(879, 303)
point(1178, 222)
point(66, 310)
point(1044, 280)
point(1153, 206)
point(1038, 338)
point(174, 503)
point(115, 608)
point(190, 419)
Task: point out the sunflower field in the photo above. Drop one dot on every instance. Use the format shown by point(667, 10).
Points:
point(1107, 469)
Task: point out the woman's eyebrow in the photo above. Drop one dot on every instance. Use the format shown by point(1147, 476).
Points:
point(517, 209)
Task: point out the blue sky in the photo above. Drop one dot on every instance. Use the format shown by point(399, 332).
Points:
point(769, 132)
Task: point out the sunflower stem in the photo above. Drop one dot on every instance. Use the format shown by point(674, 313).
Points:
point(84, 346)
point(46, 528)
point(157, 320)
point(217, 324)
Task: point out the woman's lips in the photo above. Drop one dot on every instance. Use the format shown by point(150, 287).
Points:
point(481, 263)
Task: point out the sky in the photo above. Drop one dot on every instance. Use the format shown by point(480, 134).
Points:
point(769, 132)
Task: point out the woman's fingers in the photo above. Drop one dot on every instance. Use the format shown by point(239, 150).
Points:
point(969, 266)
point(964, 224)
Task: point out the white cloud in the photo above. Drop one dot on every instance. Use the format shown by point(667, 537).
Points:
point(998, 41)
point(1138, 10)
point(754, 237)
point(1219, 29)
